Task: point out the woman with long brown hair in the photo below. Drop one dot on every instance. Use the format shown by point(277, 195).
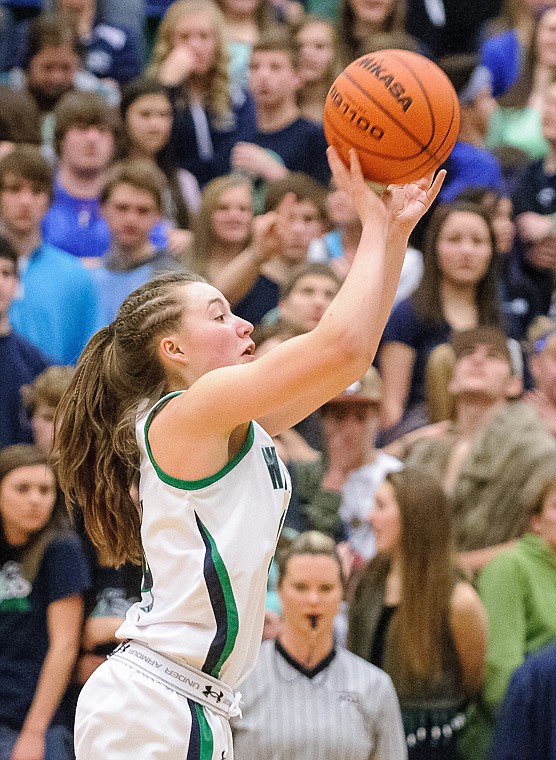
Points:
point(411, 616)
point(171, 390)
point(43, 576)
point(458, 290)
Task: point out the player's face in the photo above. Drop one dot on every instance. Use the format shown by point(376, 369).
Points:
point(27, 498)
point(130, 214)
point(316, 52)
point(272, 78)
point(310, 587)
point(22, 205)
point(464, 248)
point(210, 335)
point(88, 148)
point(308, 300)
point(545, 523)
point(149, 123)
point(233, 216)
point(385, 520)
point(197, 34)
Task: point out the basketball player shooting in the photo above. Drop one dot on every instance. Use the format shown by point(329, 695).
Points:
point(172, 389)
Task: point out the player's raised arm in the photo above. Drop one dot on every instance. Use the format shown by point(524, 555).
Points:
point(301, 374)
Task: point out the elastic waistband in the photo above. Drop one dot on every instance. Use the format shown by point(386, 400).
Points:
point(183, 679)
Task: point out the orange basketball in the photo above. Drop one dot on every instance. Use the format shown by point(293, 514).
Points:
point(399, 111)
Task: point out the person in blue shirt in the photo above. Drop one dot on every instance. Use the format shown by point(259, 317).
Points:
point(526, 724)
point(132, 201)
point(55, 307)
point(20, 361)
point(211, 113)
point(85, 139)
point(470, 164)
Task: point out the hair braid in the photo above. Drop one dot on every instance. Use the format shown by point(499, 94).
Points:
point(118, 372)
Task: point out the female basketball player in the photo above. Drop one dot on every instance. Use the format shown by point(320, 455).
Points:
point(213, 492)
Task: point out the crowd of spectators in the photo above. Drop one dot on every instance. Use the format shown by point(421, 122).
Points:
point(143, 136)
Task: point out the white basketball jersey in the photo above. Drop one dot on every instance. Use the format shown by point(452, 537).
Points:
point(208, 545)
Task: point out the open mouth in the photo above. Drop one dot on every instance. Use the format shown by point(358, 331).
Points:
point(250, 350)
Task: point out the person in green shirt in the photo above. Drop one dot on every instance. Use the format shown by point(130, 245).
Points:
point(518, 590)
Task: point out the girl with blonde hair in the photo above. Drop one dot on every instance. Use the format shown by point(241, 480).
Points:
point(222, 227)
point(319, 64)
point(211, 113)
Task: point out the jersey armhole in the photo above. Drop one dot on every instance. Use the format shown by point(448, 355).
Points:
point(193, 485)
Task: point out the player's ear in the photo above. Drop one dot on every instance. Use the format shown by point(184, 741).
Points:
point(171, 349)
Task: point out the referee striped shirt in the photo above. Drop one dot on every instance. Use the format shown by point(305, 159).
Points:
point(347, 711)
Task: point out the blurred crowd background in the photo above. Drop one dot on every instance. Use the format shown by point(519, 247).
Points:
point(412, 607)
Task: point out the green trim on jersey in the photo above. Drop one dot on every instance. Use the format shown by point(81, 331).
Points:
point(206, 739)
point(194, 485)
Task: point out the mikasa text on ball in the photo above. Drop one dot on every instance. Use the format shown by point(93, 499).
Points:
point(399, 111)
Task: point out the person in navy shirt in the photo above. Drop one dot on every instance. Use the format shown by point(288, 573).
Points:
point(43, 575)
point(284, 141)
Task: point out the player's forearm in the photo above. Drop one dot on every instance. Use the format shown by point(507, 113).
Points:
point(359, 312)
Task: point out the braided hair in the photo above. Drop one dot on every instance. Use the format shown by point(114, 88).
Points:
point(118, 373)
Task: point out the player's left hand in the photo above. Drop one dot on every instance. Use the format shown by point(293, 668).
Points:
point(407, 203)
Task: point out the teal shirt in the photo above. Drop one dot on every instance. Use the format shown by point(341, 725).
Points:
point(56, 307)
point(518, 127)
